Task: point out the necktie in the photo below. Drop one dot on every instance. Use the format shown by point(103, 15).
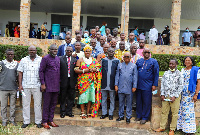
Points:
point(68, 65)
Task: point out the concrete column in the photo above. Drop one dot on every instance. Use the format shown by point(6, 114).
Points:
point(125, 17)
point(175, 22)
point(25, 18)
point(76, 16)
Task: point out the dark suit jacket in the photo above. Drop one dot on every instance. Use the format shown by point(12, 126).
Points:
point(64, 72)
point(105, 67)
point(61, 50)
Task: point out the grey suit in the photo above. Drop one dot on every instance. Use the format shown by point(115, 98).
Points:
point(67, 84)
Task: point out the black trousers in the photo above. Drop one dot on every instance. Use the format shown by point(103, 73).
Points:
point(166, 41)
point(43, 37)
point(186, 44)
point(67, 97)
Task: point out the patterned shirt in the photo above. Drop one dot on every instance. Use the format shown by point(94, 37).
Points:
point(172, 84)
point(135, 58)
point(119, 54)
point(9, 65)
point(30, 71)
point(43, 30)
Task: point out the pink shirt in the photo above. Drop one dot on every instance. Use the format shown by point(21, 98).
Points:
point(139, 51)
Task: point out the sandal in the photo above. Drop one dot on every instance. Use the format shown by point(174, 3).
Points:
point(83, 115)
point(89, 115)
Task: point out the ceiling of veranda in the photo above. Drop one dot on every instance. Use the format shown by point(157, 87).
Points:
point(138, 8)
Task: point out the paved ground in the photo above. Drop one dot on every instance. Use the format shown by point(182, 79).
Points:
point(78, 130)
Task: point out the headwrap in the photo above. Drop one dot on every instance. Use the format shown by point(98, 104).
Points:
point(87, 47)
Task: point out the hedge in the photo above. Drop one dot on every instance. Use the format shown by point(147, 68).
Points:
point(20, 51)
point(163, 60)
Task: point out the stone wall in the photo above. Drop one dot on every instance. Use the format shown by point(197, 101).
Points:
point(44, 43)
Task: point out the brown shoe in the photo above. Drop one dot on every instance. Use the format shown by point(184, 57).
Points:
point(46, 126)
point(171, 132)
point(159, 130)
point(52, 124)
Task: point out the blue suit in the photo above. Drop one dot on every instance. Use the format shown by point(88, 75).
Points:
point(126, 79)
point(61, 49)
point(148, 74)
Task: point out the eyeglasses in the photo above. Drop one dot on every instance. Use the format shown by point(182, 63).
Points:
point(141, 42)
point(122, 44)
point(68, 50)
point(9, 54)
point(111, 51)
point(147, 52)
point(126, 56)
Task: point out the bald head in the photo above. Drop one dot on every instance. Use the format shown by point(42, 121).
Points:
point(32, 47)
point(105, 48)
point(32, 52)
point(53, 46)
point(127, 54)
point(146, 53)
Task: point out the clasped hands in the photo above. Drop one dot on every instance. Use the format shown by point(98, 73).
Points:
point(90, 70)
point(116, 89)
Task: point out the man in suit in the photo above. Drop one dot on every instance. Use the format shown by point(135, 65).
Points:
point(125, 83)
point(62, 48)
point(109, 68)
point(78, 39)
point(68, 82)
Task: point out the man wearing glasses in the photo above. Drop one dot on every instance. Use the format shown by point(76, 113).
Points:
point(148, 73)
point(68, 80)
point(125, 83)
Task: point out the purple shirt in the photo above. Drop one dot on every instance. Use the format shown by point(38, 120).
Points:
point(50, 73)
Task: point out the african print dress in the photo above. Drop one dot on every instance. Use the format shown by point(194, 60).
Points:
point(186, 115)
point(89, 86)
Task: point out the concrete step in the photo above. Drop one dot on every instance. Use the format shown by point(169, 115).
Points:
point(97, 122)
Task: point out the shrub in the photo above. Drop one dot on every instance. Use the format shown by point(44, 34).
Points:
point(20, 51)
point(163, 60)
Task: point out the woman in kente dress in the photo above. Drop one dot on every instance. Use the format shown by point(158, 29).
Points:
point(191, 85)
point(89, 83)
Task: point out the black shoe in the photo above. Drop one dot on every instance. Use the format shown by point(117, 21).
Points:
point(24, 125)
point(70, 115)
point(128, 120)
point(119, 119)
point(110, 117)
point(137, 119)
point(13, 123)
point(39, 125)
point(143, 121)
point(103, 116)
point(62, 115)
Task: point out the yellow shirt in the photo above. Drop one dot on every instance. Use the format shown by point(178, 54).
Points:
point(43, 30)
point(119, 54)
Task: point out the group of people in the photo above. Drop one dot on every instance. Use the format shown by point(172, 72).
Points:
point(40, 33)
point(96, 69)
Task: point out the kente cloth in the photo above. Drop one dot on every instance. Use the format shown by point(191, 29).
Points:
point(85, 80)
